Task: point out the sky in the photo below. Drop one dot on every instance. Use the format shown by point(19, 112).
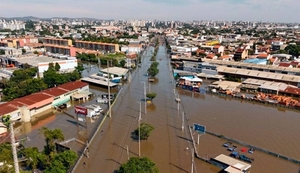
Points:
point(182, 10)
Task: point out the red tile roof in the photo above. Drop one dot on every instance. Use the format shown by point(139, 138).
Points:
point(73, 85)
point(292, 90)
point(6, 108)
point(55, 91)
point(240, 49)
point(217, 46)
point(225, 56)
point(210, 56)
point(284, 64)
point(262, 56)
point(32, 99)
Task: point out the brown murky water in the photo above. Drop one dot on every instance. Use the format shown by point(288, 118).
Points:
point(169, 147)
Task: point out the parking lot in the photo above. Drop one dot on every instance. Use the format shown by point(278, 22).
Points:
point(66, 121)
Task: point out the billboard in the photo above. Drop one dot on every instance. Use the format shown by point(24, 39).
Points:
point(81, 110)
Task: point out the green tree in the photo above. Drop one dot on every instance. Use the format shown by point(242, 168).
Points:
point(55, 167)
point(79, 67)
point(6, 153)
point(23, 51)
point(50, 137)
point(139, 165)
point(152, 71)
point(57, 67)
point(35, 159)
point(2, 52)
point(144, 131)
point(122, 63)
point(52, 78)
point(293, 49)
point(151, 95)
point(67, 158)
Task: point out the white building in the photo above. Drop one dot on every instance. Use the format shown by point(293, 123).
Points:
point(12, 25)
point(65, 66)
point(131, 48)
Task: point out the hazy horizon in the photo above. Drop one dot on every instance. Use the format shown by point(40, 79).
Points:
point(181, 10)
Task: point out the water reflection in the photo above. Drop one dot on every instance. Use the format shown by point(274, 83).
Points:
point(151, 107)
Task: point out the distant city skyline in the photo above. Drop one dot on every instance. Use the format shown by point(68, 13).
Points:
point(183, 10)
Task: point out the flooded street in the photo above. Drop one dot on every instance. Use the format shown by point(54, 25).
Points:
point(169, 147)
point(272, 128)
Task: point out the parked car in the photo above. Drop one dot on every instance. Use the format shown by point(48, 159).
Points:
point(245, 158)
point(227, 144)
point(251, 150)
point(234, 154)
point(233, 148)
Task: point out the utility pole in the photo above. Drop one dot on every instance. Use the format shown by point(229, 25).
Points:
point(192, 169)
point(127, 152)
point(14, 149)
point(140, 118)
point(182, 125)
point(145, 97)
point(109, 98)
point(178, 100)
point(149, 86)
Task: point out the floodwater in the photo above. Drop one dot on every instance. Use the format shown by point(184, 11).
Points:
point(275, 129)
point(169, 147)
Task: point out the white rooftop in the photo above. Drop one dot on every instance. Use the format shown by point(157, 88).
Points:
point(35, 60)
point(233, 162)
point(115, 70)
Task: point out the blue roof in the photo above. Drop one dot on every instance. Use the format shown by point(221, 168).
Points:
point(255, 61)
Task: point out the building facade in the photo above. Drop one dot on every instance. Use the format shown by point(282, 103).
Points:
point(28, 108)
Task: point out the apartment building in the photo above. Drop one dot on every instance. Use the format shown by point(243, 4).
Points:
point(65, 47)
point(57, 41)
point(63, 50)
point(98, 46)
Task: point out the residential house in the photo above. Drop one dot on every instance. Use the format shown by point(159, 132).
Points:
point(241, 53)
point(218, 49)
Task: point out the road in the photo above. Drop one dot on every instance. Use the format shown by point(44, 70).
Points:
point(168, 146)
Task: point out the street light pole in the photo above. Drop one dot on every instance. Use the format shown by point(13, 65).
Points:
point(109, 98)
point(192, 169)
point(140, 118)
point(145, 97)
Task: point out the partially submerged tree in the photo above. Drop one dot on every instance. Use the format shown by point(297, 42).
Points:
point(144, 131)
point(151, 95)
point(138, 165)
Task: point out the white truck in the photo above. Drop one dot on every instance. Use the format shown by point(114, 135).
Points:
point(92, 111)
point(98, 108)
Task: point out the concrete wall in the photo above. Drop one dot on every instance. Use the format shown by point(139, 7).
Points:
point(36, 111)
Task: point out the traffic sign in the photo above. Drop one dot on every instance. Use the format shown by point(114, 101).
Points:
point(199, 128)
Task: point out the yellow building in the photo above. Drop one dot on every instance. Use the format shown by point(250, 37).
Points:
point(212, 43)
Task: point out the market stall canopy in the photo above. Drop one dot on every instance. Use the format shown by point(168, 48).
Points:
point(196, 80)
